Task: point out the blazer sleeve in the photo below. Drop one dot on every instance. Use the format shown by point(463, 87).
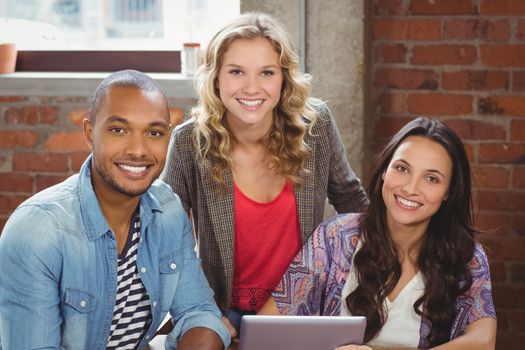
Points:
point(177, 169)
point(344, 191)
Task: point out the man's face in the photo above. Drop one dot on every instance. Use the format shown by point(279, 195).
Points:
point(129, 140)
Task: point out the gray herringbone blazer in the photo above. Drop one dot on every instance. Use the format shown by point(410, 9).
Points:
point(329, 176)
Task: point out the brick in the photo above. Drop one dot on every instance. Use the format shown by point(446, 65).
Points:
point(502, 201)
point(51, 100)
point(40, 162)
point(77, 116)
point(502, 153)
point(517, 319)
point(520, 30)
point(3, 220)
point(443, 7)
point(518, 224)
point(517, 273)
point(424, 29)
point(16, 182)
point(502, 105)
point(439, 104)
point(69, 141)
point(8, 203)
point(518, 81)
point(32, 115)
point(406, 79)
point(470, 152)
point(391, 53)
point(4, 99)
point(76, 160)
point(490, 223)
point(471, 29)
point(18, 138)
point(502, 7)
point(386, 127)
point(498, 272)
point(2, 160)
point(505, 249)
point(490, 177)
point(444, 54)
point(392, 103)
point(465, 29)
point(475, 80)
point(503, 55)
point(476, 130)
point(503, 323)
point(518, 177)
point(509, 340)
point(390, 29)
point(389, 7)
point(498, 31)
point(176, 116)
point(509, 297)
point(44, 181)
point(517, 130)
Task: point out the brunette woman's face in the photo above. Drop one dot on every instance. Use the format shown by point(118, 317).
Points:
point(249, 81)
point(416, 182)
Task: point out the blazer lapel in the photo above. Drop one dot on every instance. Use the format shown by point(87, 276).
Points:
point(304, 193)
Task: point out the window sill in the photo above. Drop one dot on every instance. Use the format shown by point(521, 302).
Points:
point(82, 84)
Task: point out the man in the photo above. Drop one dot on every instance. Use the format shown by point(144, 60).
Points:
point(98, 260)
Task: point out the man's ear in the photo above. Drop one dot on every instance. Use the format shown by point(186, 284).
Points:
point(88, 132)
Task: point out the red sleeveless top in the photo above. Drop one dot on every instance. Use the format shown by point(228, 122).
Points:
point(267, 238)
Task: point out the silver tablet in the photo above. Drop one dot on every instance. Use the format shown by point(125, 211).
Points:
point(300, 332)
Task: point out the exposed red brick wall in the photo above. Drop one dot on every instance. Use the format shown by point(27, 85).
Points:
point(41, 143)
point(463, 61)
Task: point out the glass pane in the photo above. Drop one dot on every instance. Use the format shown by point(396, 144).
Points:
point(112, 24)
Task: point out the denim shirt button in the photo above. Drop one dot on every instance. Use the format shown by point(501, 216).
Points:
point(82, 303)
point(143, 269)
point(154, 303)
point(173, 266)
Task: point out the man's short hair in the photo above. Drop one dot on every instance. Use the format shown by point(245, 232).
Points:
point(124, 78)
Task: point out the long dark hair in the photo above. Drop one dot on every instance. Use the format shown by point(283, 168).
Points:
point(444, 251)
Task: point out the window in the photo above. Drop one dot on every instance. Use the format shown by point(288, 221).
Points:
point(102, 30)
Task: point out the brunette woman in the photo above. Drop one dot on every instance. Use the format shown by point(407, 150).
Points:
point(410, 263)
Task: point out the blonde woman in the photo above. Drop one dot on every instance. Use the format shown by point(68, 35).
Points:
point(256, 162)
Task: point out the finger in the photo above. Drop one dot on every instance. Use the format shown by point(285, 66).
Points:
point(231, 328)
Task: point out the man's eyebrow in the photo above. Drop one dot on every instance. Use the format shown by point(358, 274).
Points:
point(161, 123)
point(116, 119)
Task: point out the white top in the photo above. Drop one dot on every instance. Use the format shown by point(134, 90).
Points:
point(402, 324)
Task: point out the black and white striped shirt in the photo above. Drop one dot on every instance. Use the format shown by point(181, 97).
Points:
point(132, 313)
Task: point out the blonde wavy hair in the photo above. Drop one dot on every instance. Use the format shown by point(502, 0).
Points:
point(293, 116)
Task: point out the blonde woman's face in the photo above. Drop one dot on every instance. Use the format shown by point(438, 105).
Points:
point(249, 82)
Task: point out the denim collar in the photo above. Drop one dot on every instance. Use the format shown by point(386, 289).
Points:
point(95, 224)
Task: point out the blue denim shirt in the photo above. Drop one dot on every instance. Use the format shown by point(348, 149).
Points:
point(59, 270)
